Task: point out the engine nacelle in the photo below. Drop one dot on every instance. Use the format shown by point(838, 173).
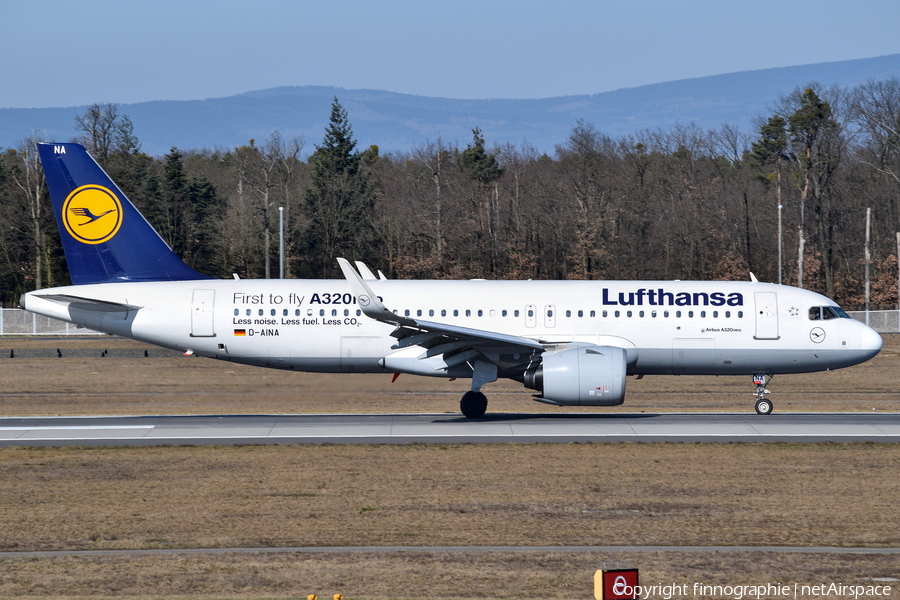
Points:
point(585, 375)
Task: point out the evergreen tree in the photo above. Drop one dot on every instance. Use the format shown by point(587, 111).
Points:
point(340, 197)
point(484, 170)
point(208, 213)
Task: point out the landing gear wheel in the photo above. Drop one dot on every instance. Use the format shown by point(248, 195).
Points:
point(764, 407)
point(763, 404)
point(473, 405)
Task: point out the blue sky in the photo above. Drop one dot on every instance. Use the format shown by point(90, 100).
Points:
point(68, 53)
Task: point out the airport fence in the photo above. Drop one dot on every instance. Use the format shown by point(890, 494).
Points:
point(882, 321)
point(15, 321)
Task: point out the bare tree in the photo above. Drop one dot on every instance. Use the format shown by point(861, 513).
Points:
point(433, 159)
point(30, 180)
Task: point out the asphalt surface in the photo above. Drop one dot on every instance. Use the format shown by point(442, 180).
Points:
point(449, 428)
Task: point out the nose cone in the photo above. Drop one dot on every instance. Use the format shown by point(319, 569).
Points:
point(870, 342)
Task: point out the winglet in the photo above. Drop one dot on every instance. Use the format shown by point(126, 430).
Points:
point(364, 270)
point(367, 299)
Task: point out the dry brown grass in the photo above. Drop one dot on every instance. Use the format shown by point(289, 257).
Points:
point(73, 386)
point(276, 496)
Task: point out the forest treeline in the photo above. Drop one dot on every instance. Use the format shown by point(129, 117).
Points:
point(682, 203)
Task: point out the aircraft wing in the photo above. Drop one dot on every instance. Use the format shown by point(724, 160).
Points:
point(456, 344)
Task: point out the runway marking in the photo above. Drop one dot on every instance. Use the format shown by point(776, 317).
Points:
point(76, 427)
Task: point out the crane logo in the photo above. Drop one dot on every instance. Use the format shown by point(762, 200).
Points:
point(92, 214)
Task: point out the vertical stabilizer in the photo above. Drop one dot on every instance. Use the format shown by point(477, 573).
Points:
point(104, 236)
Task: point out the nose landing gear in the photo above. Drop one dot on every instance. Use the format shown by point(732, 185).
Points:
point(763, 405)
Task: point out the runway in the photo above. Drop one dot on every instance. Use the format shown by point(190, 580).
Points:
point(449, 428)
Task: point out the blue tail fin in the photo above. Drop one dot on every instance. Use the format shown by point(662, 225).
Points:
point(104, 236)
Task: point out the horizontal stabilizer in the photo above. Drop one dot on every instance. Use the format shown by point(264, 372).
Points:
point(88, 303)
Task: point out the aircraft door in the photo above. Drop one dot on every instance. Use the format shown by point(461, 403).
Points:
point(202, 313)
point(530, 315)
point(550, 316)
point(766, 316)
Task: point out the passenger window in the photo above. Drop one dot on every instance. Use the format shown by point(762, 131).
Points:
point(248, 312)
point(568, 313)
point(549, 313)
point(237, 312)
point(593, 314)
point(419, 313)
point(653, 313)
point(468, 313)
point(727, 314)
point(260, 312)
point(666, 314)
point(628, 314)
point(740, 314)
point(321, 312)
point(677, 314)
point(604, 314)
point(530, 313)
point(814, 314)
point(346, 312)
point(702, 314)
point(308, 312)
point(617, 313)
point(333, 312)
point(479, 312)
point(515, 313)
point(430, 312)
point(406, 313)
point(641, 314)
point(284, 313)
point(503, 313)
point(715, 314)
point(358, 312)
point(297, 312)
point(455, 312)
point(443, 312)
point(580, 313)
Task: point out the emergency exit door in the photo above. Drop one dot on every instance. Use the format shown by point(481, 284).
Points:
point(766, 316)
point(202, 313)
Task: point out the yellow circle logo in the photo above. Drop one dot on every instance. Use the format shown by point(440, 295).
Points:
point(92, 214)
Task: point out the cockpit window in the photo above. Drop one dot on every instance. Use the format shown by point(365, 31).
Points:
point(817, 313)
point(838, 312)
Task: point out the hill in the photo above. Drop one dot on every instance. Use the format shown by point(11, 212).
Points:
point(400, 121)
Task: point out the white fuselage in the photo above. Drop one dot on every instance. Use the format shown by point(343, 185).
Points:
point(668, 327)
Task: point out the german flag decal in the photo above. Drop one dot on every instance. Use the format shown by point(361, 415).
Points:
point(240, 332)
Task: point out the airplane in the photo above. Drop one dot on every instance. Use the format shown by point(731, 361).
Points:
point(573, 342)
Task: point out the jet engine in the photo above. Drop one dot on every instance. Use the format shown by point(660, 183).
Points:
point(585, 375)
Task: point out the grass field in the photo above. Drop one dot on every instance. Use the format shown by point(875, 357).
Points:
point(589, 494)
point(276, 496)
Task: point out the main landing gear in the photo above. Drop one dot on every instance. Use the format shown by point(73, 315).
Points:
point(474, 403)
point(763, 404)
